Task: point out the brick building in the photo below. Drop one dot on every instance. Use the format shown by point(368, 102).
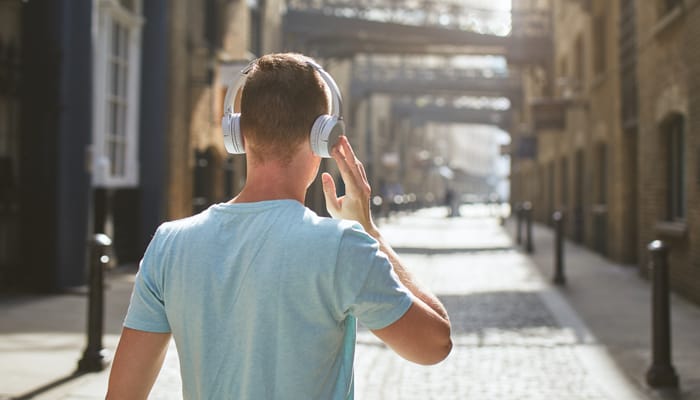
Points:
point(615, 127)
point(669, 135)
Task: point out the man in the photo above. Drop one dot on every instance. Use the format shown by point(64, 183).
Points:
point(260, 294)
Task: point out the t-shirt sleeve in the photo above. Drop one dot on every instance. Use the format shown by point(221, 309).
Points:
point(368, 287)
point(147, 307)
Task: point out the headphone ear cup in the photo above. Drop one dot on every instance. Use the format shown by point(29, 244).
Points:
point(325, 133)
point(231, 127)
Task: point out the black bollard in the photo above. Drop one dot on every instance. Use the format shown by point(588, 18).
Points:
point(527, 213)
point(95, 357)
point(519, 223)
point(661, 372)
point(559, 277)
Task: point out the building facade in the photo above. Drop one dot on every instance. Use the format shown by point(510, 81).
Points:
point(110, 117)
point(616, 131)
point(669, 135)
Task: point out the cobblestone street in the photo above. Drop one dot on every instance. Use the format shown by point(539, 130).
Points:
point(514, 337)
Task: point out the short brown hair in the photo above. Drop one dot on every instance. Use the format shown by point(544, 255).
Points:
point(282, 97)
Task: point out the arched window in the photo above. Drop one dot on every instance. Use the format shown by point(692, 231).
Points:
point(673, 135)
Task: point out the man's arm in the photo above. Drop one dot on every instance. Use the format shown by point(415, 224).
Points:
point(422, 334)
point(426, 321)
point(137, 362)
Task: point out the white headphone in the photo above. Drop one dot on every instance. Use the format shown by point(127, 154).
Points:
point(324, 133)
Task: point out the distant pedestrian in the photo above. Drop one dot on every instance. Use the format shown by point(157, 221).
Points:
point(262, 295)
point(452, 202)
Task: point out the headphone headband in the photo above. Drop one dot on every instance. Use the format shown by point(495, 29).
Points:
point(324, 132)
point(336, 97)
point(237, 84)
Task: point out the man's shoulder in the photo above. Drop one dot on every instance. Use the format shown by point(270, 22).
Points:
point(185, 222)
point(175, 226)
point(331, 226)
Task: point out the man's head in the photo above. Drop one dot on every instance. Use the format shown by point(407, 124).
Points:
point(281, 99)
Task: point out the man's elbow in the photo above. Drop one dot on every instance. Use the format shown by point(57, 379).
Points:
point(441, 348)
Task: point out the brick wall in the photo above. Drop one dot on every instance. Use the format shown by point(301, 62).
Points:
point(596, 202)
point(668, 81)
point(686, 276)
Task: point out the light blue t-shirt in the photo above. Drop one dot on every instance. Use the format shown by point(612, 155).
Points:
point(262, 299)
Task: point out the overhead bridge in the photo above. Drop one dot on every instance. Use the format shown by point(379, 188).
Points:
point(332, 31)
point(451, 114)
point(415, 81)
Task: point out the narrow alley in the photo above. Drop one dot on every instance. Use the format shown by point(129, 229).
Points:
point(515, 335)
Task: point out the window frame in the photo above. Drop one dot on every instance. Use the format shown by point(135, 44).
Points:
point(106, 14)
point(600, 34)
point(673, 131)
point(602, 171)
point(564, 179)
point(579, 64)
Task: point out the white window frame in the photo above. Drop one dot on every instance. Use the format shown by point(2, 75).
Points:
point(105, 14)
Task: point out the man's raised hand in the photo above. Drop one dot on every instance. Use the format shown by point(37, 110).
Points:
point(355, 204)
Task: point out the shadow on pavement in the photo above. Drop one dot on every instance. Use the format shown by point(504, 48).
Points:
point(49, 386)
point(449, 250)
point(503, 317)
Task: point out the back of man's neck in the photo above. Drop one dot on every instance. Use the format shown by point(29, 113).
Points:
point(271, 181)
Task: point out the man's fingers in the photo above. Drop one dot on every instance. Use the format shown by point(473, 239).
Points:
point(343, 164)
point(363, 173)
point(350, 167)
point(332, 202)
point(345, 143)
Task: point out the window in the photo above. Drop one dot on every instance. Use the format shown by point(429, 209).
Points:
point(602, 173)
point(116, 93)
point(579, 69)
point(211, 24)
point(669, 5)
point(550, 187)
point(579, 192)
point(256, 8)
point(674, 136)
point(117, 101)
point(599, 37)
point(564, 182)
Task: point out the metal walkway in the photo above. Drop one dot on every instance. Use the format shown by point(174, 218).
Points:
point(377, 30)
point(343, 28)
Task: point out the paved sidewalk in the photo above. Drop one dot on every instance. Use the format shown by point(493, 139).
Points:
point(615, 302)
point(516, 337)
point(43, 337)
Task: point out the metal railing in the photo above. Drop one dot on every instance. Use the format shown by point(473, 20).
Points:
point(449, 14)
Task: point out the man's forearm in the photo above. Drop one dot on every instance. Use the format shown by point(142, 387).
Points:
point(407, 278)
